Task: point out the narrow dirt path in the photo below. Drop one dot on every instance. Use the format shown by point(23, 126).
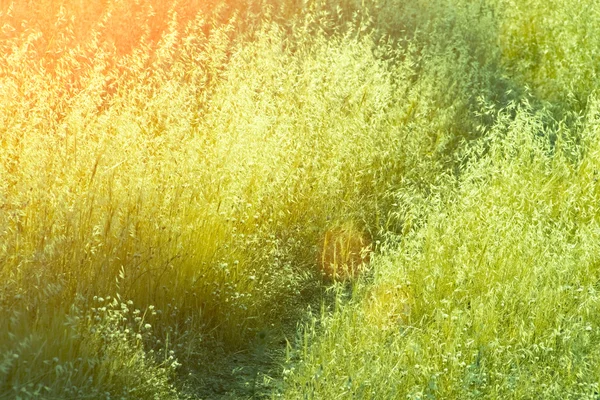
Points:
point(250, 374)
point(254, 373)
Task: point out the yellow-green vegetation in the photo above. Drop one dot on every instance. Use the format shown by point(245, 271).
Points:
point(494, 296)
point(171, 173)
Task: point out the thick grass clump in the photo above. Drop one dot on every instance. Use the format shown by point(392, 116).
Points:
point(549, 46)
point(495, 296)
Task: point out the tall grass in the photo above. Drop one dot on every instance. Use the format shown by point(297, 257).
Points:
point(193, 175)
point(495, 296)
point(167, 185)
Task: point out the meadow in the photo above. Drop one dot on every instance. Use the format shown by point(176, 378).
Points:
point(299, 199)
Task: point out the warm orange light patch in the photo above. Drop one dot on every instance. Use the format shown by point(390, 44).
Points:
point(344, 253)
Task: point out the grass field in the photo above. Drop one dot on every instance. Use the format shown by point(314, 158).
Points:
point(299, 199)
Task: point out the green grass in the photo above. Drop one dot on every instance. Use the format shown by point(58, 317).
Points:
point(166, 188)
point(494, 296)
